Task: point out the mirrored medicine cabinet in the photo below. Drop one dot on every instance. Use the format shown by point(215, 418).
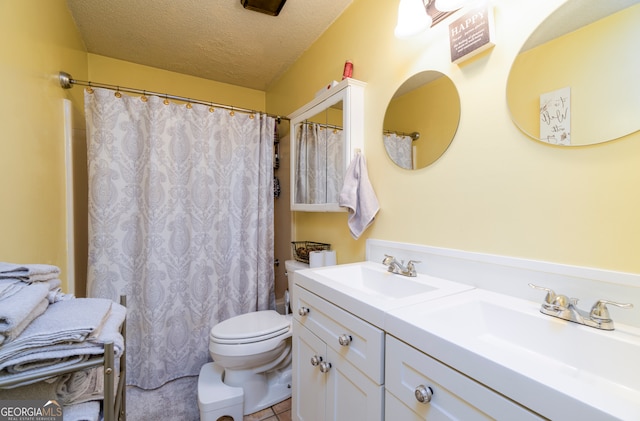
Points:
point(575, 80)
point(325, 133)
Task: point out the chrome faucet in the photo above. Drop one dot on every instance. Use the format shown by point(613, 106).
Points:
point(565, 308)
point(398, 267)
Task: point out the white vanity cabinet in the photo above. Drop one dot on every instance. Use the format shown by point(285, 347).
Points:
point(444, 393)
point(338, 371)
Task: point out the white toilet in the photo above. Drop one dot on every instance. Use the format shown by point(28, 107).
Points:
point(252, 362)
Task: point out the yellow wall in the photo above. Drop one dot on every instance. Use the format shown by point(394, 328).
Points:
point(122, 73)
point(495, 190)
point(39, 39)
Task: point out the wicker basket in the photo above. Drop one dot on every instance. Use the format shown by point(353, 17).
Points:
point(301, 249)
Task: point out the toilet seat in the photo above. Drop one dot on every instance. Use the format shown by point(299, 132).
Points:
point(250, 327)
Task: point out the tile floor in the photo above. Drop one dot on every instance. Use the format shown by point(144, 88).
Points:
point(278, 412)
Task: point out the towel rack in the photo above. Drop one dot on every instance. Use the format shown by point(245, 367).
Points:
point(114, 407)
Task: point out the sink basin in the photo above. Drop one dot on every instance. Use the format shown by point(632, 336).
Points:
point(503, 341)
point(371, 280)
point(368, 290)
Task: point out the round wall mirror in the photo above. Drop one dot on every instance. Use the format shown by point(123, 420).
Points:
point(575, 80)
point(421, 120)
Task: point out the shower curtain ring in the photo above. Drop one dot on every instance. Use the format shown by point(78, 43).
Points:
point(89, 88)
point(144, 98)
point(118, 94)
point(211, 109)
point(166, 100)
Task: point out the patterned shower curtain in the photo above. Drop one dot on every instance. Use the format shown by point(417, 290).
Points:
point(400, 149)
point(181, 221)
point(320, 163)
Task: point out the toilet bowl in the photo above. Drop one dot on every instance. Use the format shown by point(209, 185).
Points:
point(252, 352)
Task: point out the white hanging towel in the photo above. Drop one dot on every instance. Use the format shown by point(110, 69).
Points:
point(358, 196)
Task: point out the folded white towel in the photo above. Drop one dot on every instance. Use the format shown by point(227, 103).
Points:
point(10, 335)
point(67, 389)
point(19, 306)
point(110, 331)
point(39, 390)
point(358, 196)
point(41, 362)
point(63, 322)
point(37, 356)
point(80, 386)
point(30, 272)
point(86, 411)
point(8, 287)
point(56, 295)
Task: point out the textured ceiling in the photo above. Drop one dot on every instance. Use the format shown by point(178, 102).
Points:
point(212, 39)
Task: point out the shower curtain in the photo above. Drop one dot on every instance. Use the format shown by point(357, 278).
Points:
point(400, 149)
point(320, 163)
point(181, 221)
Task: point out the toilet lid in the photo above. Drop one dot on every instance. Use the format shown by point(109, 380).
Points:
point(251, 327)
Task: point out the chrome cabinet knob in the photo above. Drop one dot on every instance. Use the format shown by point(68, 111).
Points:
point(303, 311)
point(423, 394)
point(344, 339)
point(315, 360)
point(325, 366)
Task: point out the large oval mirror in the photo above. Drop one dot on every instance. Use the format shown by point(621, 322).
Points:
point(421, 120)
point(575, 80)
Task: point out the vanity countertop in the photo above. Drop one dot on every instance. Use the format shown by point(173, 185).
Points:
point(556, 368)
point(369, 291)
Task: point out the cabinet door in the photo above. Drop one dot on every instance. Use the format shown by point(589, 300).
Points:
point(309, 383)
point(394, 409)
point(329, 322)
point(351, 396)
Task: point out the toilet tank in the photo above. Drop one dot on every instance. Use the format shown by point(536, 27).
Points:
point(290, 267)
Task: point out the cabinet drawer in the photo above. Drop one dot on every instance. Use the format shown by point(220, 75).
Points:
point(455, 396)
point(365, 348)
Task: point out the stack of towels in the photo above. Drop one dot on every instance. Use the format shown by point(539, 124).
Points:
point(25, 293)
point(42, 328)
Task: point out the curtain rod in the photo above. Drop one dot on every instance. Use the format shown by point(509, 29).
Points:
point(323, 125)
point(414, 136)
point(67, 82)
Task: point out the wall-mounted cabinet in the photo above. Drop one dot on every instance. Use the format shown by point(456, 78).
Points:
point(324, 135)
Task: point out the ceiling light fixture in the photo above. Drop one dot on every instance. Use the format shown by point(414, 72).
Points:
point(269, 7)
point(413, 18)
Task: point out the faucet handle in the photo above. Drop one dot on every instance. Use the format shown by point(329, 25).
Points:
point(411, 268)
point(551, 297)
point(599, 311)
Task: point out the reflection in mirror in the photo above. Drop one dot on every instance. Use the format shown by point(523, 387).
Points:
point(421, 120)
point(575, 81)
point(320, 159)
